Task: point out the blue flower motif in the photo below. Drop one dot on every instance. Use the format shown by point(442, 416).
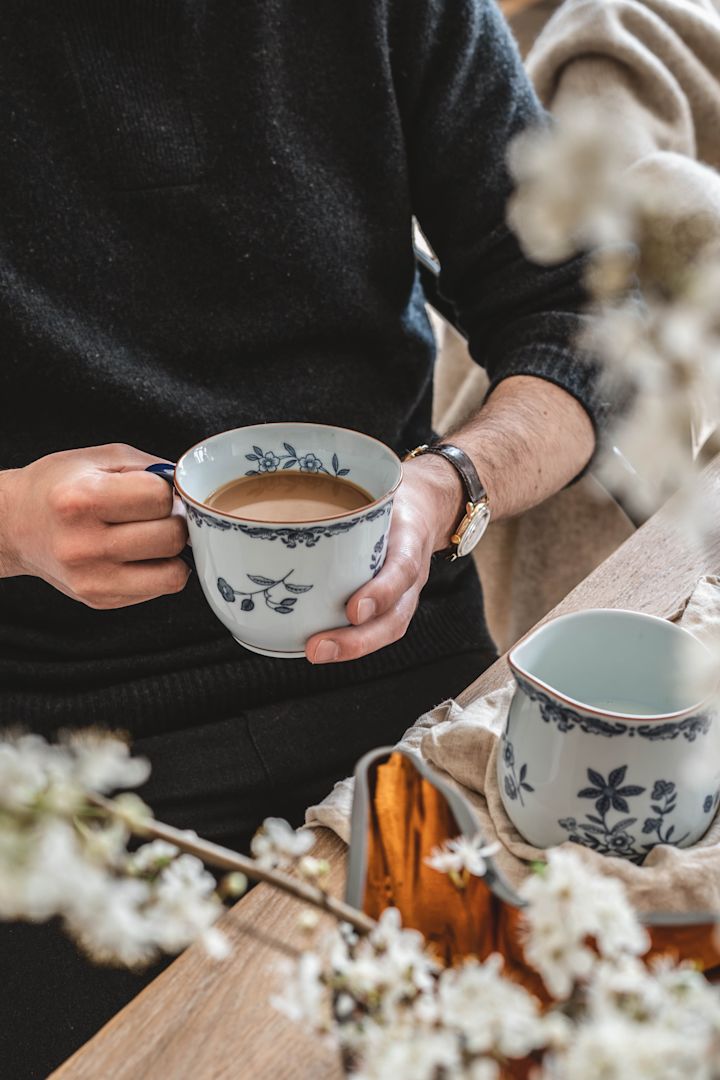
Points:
point(708, 804)
point(662, 788)
point(309, 463)
point(268, 462)
point(651, 824)
point(508, 755)
point(608, 792)
point(620, 842)
point(568, 823)
point(510, 789)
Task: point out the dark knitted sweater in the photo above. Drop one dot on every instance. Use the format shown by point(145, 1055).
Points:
point(205, 222)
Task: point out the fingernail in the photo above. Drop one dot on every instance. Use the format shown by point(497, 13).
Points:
point(326, 651)
point(366, 609)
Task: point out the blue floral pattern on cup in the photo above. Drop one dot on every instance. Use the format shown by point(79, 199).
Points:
point(267, 461)
point(290, 536)
point(377, 557)
point(515, 782)
point(566, 718)
point(664, 798)
point(284, 606)
point(608, 837)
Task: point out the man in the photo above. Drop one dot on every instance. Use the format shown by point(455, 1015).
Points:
point(206, 222)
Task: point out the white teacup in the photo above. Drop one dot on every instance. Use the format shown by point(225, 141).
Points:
point(605, 744)
point(274, 584)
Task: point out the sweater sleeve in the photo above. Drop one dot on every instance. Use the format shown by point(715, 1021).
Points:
point(463, 96)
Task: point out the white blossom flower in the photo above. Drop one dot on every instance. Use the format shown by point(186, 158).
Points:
point(395, 1054)
point(571, 191)
point(103, 763)
point(492, 1013)
point(60, 856)
point(668, 357)
point(304, 997)
point(277, 844)
point(313, 869)
point(483, 1069)
point(567, 907)
point(461, 856)
point(129, 921)
point(23, 774)
point(149, 858)
point(308, 920)
point(616, 1048)
point(215, 943)
point(184, 903)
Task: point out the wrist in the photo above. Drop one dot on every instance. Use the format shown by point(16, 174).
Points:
point(9, 562)
point(444, 496)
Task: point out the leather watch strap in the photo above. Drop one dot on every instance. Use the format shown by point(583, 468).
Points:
point(464, 466)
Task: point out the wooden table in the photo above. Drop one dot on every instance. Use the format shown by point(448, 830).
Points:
point(206, 1020)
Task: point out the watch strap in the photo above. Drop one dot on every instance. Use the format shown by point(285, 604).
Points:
point(464, 466)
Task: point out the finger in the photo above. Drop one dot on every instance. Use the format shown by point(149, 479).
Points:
point(130, 496)
point(352, 642)
point(120, 457)
point(143, 540)
point(405, 568)
point(123, 584)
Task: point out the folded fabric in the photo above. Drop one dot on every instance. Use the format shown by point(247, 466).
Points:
point(654, 63)
point(461, 744)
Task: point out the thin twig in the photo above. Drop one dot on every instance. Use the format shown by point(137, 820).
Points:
point(225, 859)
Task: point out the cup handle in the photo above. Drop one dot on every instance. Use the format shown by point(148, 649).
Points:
point(166, 470)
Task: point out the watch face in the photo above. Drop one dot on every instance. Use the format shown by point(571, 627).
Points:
point(473, 529)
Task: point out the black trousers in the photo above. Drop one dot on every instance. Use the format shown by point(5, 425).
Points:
point(220, 778)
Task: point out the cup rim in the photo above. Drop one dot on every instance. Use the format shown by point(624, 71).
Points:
point(592, 710)
point(288, 524)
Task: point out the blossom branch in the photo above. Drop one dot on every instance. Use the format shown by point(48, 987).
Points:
point(225, 859)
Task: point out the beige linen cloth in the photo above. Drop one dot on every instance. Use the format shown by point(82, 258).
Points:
point(462, 744)
point(655, 65)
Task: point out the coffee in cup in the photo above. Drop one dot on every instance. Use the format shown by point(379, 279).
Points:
point(288, 496)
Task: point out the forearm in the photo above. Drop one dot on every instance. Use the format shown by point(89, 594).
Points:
point(529, 440)
point(8, 562)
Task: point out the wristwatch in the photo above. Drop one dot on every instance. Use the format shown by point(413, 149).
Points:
point(476, 518)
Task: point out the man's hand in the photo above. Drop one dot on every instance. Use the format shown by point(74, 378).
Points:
point(528, 440)
point(93, 524)
point(427, 507)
